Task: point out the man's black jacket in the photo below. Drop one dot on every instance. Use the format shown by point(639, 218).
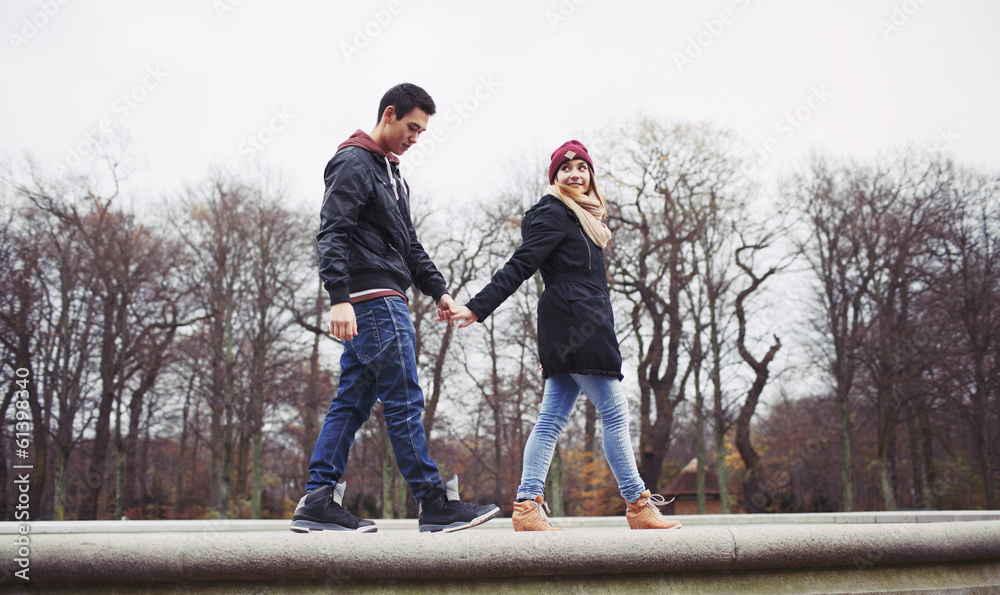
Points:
point(366, 238)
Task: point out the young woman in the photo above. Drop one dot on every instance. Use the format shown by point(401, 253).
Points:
point(563, 237)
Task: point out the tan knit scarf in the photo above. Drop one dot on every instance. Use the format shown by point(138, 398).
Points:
point(589, 209)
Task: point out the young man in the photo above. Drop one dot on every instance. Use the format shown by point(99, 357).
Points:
point(368, 257)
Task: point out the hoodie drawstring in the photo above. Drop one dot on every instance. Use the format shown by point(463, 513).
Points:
point(392, 178)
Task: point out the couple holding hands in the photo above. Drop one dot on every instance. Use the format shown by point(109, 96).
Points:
point(369, 255)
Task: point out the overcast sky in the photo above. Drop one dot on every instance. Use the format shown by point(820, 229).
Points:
point(237, 84)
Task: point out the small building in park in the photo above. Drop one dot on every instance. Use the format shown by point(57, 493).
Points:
point(684, 488)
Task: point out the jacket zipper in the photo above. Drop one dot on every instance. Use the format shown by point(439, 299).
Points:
point(590, 260)
point(398, 204)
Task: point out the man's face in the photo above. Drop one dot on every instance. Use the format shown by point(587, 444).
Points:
point(402, 133)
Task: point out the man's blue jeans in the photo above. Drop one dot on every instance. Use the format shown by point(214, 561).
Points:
point(558, 400)
point(379, 363)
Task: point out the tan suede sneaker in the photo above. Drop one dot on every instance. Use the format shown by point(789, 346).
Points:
point(530, 516)
point(644, 514)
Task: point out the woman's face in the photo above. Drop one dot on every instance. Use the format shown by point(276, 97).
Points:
point(575, 174)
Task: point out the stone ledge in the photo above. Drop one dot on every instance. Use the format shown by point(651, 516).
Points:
point(215, 555)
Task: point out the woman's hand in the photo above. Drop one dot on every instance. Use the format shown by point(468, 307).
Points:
point(464, 314)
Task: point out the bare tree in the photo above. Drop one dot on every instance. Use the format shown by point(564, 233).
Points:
point(124, 259)
point(903, 204)
point(664, 183)
point(751, 460)
point(279, 264)
point(835, 217)
point(712, 341)
point(213, 225)
point(968, 292)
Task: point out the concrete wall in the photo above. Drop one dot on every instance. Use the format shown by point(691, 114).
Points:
point(735, 557)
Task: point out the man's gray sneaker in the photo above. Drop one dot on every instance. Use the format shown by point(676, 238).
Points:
point(322, 510)
point(443, 510)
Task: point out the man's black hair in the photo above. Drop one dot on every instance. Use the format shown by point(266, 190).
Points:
point(403, 98)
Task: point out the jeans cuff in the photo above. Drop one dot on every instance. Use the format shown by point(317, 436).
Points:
point(425, 490)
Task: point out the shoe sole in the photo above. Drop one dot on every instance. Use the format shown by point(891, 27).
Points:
point(459, 525)
point(307, 526)
point(677, 526)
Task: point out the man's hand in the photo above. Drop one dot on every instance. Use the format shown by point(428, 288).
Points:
point(445, 307)
point(464, 314)
point(343, 325)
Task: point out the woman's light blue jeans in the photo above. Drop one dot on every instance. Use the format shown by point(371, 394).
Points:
point(558, 400)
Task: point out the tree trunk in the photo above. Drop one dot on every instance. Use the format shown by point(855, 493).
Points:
point(40, 444)
point(114, 321)
point(96, 473)
point(310, 427)
point(755, 499)
point(119, 510)
point(215, 441)
point(982, 427)
point(721, 469)
point(846, 465)
point(719, 423)
point(699, 443)
point(699, 409)
point(182, 451)
point(132, 471)
point(927, 436)
point(228, 433)
point(914, 439)
point(256, 472)
point(885, 425)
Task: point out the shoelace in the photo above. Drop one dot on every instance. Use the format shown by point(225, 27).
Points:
point(544, 509)
point(659, 500)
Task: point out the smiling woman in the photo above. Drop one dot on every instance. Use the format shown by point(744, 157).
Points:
point(575, 174)
point(563, 236)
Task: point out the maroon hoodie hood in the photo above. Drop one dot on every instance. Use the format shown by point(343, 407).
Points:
point(361, 139)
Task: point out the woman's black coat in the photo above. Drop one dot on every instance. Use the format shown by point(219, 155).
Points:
point(576, 326)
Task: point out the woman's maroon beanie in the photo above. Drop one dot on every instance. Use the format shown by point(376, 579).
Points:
point(569, 150)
